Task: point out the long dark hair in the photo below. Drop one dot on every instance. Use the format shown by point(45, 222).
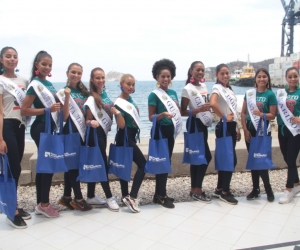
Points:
point(80, 86)
point(189, 75)
point(218, 69)
point(93, 89)
point(39, 56)
point(1, 56)
point(290, 69)
point(268, 75)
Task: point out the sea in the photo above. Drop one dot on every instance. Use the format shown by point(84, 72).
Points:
point(140, 97)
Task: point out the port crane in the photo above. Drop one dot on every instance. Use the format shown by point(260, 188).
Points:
point(291, 18)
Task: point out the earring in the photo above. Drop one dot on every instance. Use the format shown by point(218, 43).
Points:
point(192, 80)
point(2, 70)
point(80, 85)
point(37, 72)
point(170, 84)
point(133, 91)
point(157, 85)
point(16, 70)
point(121, 88)
point(49, 74)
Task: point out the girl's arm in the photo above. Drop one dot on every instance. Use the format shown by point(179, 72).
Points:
point(120, 119)
point(89, 118)
point(152, 111)
point(185, 112)
point(3, 147)
point(247, 133)
point(270, 116)
point(66, 107)
point(214, 105)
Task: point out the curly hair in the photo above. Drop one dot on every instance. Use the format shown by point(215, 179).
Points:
point(161, 65)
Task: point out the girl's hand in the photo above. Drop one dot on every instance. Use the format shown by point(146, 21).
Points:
point(168, 115)
point(257, 112)
point(205, 107)
point(67, 91)
point(238, 135)
point(230, 117)
point(94, 124)
point(296, 120)
point(115, 111)
point(247, 135)
point(55, 107)
point(3, 147)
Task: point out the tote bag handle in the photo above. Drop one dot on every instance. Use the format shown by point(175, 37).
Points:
point(190, 122)
point(4, 166)
point(154, 127)
point(126, 144)
point(87, 136)
point(264, 118)
point(224, 126)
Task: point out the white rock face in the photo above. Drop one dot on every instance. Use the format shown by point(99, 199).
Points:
point(113, 76)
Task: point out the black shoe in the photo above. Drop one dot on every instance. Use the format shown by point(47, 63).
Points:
point(217, 193)
point(191, 194)
point(270, 194)
point(65, 202)
point(164, 201)
point(202, 197)
point(255, 193)
point(228, 198)
point(171, 199)
point(18, 222)
point(80, 205)
point(155, 199)
point(24, 214)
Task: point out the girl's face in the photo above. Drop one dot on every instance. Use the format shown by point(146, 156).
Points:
point(292, 78)
point(74, 75)
point(98, 79)
point(198, 71)
point(223, 75)
point(128, 85)
point(262, 79)
point(164, 78)
point(9, 59)
point(44, 66)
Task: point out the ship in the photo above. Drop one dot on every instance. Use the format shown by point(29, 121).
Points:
point(246, 77)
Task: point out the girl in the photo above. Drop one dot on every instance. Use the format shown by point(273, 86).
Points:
point(170, 120)
point(126, 113)
point(224, 102)
point(99, 103)
point(257, 102)
point(288, 131)
point(41, 94)
point(12, 124)
point(195, 95)
point(78, 93)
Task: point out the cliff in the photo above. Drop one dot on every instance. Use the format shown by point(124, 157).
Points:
point(113, 76)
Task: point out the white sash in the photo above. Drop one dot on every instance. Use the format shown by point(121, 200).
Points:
point(75, 113)
point(231, 102)
point(285, 113)
point(45, 97)
point(197, 101)
point(129, 108)
point(17, 92)
point(172, 109)
point(100, 115)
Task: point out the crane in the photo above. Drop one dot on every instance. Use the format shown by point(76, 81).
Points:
point(291, 18)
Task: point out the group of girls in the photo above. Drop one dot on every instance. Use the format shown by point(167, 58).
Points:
point(163, 103)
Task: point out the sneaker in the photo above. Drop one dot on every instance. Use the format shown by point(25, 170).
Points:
point(228, 198)
point(96, 201)
point(164, 201)
point(255, 193)
point(55, 208)
point(24, 214)
point(296, 189)
point(217, 193)
point(18, 222)
point(202, 197)
point(270, 195)
point(133, 204)
point(169, 198)
point(47, 211)
point(287, 196)
point(112, 204)
point(80, 205)
point(65, 202)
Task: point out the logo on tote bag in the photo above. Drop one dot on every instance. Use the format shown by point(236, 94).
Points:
point(53, 156)
point(115, 164)
point(156, 159)
point(259, 155)
point(3, 204)
point(191, 151)
point(91, 167)
point(69, 154)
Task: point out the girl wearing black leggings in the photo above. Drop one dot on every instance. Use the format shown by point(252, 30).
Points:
point(41, 68)
point(224, 102)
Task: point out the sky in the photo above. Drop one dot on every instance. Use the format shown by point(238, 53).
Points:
point(130, 35)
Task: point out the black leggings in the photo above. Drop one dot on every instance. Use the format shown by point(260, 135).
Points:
point(224, 177)
point(264, 174)
point(102, 141)
point(198, 171)
point(42, 181)
point(138, 159)
point(14, 136)
point(161, 179)
point(289, 146)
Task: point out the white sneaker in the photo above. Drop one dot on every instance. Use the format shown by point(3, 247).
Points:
point(286, 198)
point(133, 204)
point(296, 189)
point(112, 204)
point(96, 201)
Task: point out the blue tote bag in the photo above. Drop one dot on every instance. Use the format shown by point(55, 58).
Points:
point(260, 151)
point(72, 148)
point(194, 147)
point(158, 161)
point(8, 192)
point(91, 163)
point(224, 157)
point(120, 159)
point(51, 149)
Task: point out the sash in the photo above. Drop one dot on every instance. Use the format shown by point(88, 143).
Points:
point(75, 113)
point(285, 113)
point(197, 101)
point(231, 102)
point(45, 97)
point(100, 115)
point(17, 92)
point(130, 109)
point(171, 108)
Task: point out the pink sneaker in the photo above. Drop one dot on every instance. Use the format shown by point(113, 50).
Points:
point(55, 207)
point(48, 211)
